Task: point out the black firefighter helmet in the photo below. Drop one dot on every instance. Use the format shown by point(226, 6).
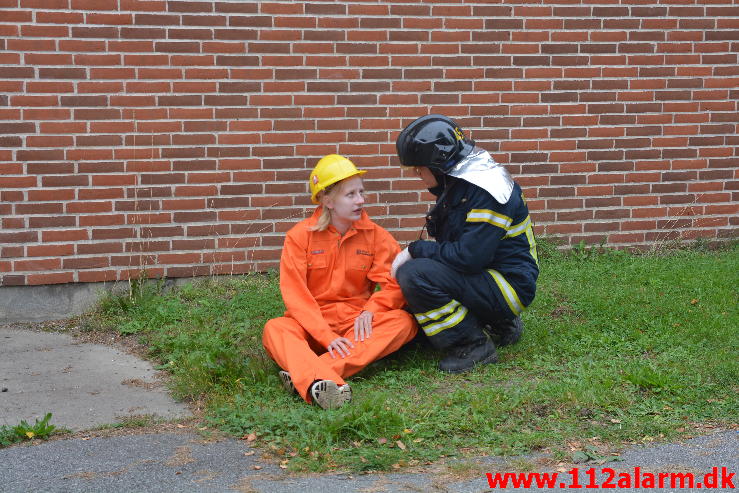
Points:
point(433, 141)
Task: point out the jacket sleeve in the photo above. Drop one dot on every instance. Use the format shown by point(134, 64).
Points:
point(389, 297)
point(484, 227)
point(300, 303)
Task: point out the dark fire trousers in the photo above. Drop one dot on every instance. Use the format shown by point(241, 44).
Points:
point(451, 307)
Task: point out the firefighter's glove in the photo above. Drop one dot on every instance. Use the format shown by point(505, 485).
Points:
point(401, 258)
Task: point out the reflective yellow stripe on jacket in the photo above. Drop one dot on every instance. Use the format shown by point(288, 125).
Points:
point(488, 216)
point(525, 227)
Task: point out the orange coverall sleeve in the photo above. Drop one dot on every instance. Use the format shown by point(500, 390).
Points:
point(390, 297)
point(300, 303)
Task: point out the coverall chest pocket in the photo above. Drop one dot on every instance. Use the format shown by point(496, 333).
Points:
point(317, 257)
point(361, 259)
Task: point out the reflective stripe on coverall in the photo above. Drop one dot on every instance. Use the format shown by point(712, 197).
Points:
point(326, 281)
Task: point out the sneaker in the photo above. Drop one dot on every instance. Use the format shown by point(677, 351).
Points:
point(287, 381)
point(328, 395)
point(505, 332)
point(463, 358)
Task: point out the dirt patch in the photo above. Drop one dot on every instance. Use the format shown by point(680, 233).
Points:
point(182, 456)
point(137, 382)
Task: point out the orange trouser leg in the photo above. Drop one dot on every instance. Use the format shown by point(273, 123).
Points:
point(390, 330)
point(289, 344)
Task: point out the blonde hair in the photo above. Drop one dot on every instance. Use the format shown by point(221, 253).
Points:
point(325, 218)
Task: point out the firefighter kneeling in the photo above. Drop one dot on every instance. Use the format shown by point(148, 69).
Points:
point(467, 288)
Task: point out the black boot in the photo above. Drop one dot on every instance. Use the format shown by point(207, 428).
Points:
point(461, 358)
point(505, 332)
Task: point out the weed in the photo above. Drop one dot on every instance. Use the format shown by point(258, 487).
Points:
point(23, 431)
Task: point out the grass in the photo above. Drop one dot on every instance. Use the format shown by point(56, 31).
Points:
point(618, 348)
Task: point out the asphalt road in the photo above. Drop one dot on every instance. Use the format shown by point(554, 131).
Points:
point(185, 462)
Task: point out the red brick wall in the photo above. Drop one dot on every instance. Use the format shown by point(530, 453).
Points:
point(177, 136)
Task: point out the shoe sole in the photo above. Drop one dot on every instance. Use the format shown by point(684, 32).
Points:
point(493, 358)
point(287, 381)
point(328, 395)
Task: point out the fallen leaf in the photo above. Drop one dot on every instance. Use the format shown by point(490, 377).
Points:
point(401, 445)
point(613, 420)
point(251, 452)
point(407, 431)
point(256, 468)
point(580, 457)
point(694, 301)
point(382, 441)
point(181, 426)
point(250, 437)
point(30, 434)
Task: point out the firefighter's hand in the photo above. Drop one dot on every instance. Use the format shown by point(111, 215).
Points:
point(401, 258)
point(363, 326)
point(341, 345)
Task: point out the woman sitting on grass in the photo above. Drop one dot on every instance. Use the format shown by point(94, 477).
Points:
point(336, 322)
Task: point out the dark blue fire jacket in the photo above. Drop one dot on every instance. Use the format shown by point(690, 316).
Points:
point(475, 233)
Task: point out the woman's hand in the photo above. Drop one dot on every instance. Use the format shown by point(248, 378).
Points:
point(341, 345)
point(363, 326)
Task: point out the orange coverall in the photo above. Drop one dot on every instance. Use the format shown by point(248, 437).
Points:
point(326, 281)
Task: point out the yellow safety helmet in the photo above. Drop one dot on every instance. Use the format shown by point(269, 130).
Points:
point(329, 170)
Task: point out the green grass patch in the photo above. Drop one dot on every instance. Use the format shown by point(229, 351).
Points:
point(617, 346)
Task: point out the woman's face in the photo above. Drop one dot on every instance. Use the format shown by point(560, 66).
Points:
point(347, 201)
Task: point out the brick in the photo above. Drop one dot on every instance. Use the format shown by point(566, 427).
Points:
point(17, 128)
point(51, 221)
point(19, 237)
point(66, 235)
point(50, 278)
point(39, 208)
point(62, 73)
point(102, 220)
